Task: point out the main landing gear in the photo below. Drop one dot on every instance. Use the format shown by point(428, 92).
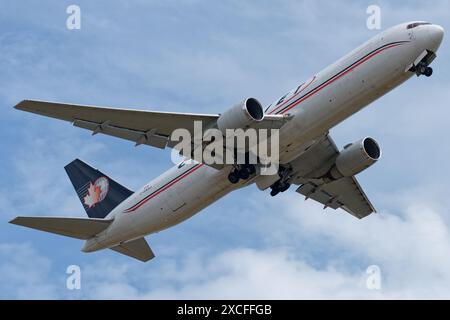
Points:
point(243, 171)
point(283, 184)
point(278, 187)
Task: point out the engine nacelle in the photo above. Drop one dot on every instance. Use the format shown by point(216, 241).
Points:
point(355, 158)
point(241, 116)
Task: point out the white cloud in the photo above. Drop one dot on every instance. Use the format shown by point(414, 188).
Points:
point(25, 274)
point(233, 274)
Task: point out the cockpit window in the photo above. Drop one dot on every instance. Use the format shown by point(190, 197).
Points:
point(416, 24)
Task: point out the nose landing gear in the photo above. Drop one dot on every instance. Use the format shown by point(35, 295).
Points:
point(421, 65)
point(428, 71)
point(423, 69)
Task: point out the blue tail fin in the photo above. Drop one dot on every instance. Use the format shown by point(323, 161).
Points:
point(98, 193)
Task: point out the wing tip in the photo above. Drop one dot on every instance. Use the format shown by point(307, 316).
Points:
point(146, 259)
point(14, 221)
point(21, 105)
point(28, 104)
point(19, 221)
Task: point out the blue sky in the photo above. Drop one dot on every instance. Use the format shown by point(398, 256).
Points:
point(204, 56)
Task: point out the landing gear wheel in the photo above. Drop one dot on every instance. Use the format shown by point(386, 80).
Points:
point(285, 187)
point(274, 192)
point(243, 174)
point(233, 177)
point(428, 71)
point(423, 69)
point(251, 169)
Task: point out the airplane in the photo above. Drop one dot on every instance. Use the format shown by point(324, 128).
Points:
point(119, 219)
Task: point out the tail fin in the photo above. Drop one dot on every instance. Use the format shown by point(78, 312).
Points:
point(98, 193)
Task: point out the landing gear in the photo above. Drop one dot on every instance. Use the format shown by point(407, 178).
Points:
point(251, 169)
point(233, 177)
point(241, 172)
point(423, 69)
point(274, 192)
point(278, 187)
point(285, 187)
point(428, 71)
point(283, 184)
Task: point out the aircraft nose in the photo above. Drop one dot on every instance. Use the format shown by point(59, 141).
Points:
point(430, 36)
point(436, 34)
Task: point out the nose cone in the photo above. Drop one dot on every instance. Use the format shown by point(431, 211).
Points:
point(432, 36)
point(436, 34)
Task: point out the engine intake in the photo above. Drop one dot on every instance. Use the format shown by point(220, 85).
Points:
point(355, 158)
point(241, 116)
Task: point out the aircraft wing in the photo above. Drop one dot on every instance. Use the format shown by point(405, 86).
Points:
point(345, 193)
point(139, 126)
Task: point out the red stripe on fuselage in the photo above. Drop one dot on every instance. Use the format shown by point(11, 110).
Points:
point(134, 208)
point(324, 85)
point(295, 95)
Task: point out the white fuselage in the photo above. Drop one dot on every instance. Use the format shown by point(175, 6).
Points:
point(322, 102)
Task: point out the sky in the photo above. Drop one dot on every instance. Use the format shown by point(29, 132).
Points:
point(203, 57)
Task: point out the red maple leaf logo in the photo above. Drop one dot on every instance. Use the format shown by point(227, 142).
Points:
point(93, 195)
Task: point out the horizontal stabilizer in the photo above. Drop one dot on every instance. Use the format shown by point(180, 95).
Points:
point(138, 249)
point(80, 228)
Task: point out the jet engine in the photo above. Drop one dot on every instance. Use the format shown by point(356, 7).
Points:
point(355, 158)
point(241, 116)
